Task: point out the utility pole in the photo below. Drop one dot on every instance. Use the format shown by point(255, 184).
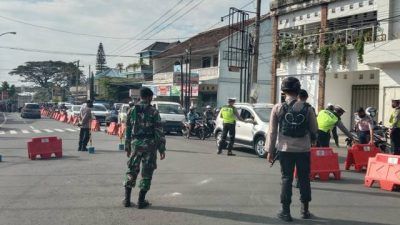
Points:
point(182, 101)
point(77, 77)
point(254, 69)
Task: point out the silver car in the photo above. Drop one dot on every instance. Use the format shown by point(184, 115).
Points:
point(252, 131)
point(31, 110)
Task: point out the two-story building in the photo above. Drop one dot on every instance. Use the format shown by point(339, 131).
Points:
point(144, 68)
point(328, 45)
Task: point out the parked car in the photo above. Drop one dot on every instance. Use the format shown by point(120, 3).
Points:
point(99, 112)
point(31, 110)
point(172, 116)
point(250, 132)
point(74, 110)
point(122, 115)
point(112, 117)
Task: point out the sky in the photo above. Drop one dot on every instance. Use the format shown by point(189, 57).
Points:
point(86, 23)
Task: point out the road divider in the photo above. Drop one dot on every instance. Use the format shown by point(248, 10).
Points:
point(383, 169)
point(45, 147)
point(358, 156)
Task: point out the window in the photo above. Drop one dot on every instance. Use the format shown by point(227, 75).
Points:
point(169, 109)
point(316, 14)
point(263, 113)
point(351, 6)
point(287, 21)
point(370, 2)
point(342, 8)
point(294, 19)
point(205, 62)
point(301, 17)
point(280, 22)
point(245, 114)
point(361, 4)
point(215, 60)
point(365, 15)
point(308, 16)
point(333, 10)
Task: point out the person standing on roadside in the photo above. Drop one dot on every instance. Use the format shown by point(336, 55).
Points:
point(364, 127)
point(395, 127)
point(229, 114)
point(292, 132)
point(144, 136)
point(85, 118)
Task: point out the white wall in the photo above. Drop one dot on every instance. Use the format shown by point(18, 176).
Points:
point(349, 12)
point(389, 77)
point(229, 82)
point(339, 90)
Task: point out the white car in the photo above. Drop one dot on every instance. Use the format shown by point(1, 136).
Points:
point(172, 115)
point(252, 131)
point(99, 112)
point(74, 110)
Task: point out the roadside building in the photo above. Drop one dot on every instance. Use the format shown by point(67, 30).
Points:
point(335, 48)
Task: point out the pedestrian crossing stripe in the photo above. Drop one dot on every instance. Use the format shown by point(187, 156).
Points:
point(37, 131)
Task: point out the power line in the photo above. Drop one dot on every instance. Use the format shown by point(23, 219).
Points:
point(60, 52)
point(81, 34)
point(149, 26)
point(176, 19)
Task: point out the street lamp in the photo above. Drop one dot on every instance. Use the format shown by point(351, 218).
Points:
point(8, 33)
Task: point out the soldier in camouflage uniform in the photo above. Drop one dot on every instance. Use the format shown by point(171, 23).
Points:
point(144, 136)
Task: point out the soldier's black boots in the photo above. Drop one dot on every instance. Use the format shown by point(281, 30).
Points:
point(127, 201)
point(142, 203)
point(305, 213)
point(230, 153)
point(285, 213)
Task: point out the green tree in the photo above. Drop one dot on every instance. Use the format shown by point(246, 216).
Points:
point(119, 67)
point(5, 86)
point(12, 91)
point(42, 95)
point(101, 59)
point(47, 74)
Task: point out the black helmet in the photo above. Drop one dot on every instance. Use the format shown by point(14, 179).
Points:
point(146, 92)
point(291, 84)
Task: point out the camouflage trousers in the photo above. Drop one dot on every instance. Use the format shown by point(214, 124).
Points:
point(146, 161)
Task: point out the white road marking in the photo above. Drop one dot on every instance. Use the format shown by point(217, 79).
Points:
point(2, 132)
point(59, 130)
point(25, 131)
point(175, 194)
point(72, 130)
point(48, 130)
point(32, 127)
point(13, 132)
point(204, 181)
point(37, 131)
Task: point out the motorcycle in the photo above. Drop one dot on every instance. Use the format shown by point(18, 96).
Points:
point(381, 138)
point(198, 130)
point(209, 127)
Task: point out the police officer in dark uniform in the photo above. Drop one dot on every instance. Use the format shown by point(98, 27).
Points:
point(292, 131)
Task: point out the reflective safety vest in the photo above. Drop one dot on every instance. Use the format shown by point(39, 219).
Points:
point(326, 120)
point(392, 119)
point(228, 114)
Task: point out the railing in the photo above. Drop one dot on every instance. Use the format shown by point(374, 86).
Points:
point(345, 36)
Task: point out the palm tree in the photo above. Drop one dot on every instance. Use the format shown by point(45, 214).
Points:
point(120, 67)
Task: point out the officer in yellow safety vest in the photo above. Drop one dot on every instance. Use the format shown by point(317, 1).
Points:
point(395, 127)
point(327, 120)
point(228, 114)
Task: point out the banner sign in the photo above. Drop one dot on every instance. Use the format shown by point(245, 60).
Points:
point(194, 79)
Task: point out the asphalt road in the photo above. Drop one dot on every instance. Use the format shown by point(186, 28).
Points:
point(192, 185)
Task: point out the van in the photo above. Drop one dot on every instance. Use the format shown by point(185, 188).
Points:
point(172, 115)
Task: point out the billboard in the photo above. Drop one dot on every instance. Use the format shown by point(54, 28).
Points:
point(194, 78)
